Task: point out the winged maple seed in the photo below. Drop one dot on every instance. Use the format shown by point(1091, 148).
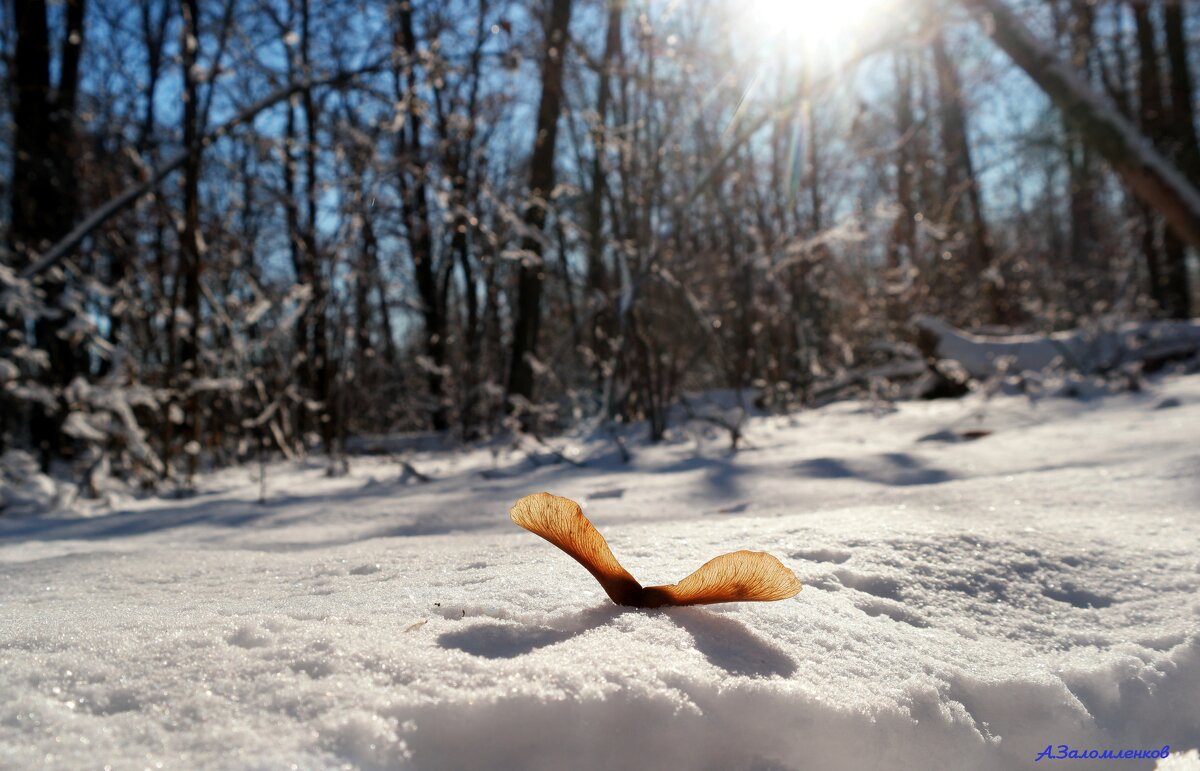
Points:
point(740, 576)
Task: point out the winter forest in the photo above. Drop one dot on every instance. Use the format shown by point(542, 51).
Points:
point(235, 228)
point(297, 297)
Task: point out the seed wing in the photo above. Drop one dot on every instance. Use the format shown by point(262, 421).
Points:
point(561, 522)
point(740, 576)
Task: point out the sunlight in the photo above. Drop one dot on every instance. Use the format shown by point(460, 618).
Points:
point(822, 27)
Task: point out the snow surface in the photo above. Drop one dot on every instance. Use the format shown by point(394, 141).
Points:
point(967, 602)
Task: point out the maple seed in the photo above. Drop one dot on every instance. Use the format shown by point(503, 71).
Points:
point(740, 576)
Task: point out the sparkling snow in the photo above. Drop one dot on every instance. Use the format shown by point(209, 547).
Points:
point(967, 602)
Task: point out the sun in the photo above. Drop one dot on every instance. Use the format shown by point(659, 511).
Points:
point(821, 27)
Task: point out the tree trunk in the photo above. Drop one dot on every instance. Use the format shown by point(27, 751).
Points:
point(964, 206)
point(541, 183)
point(44, 193)
point(902, 246)
point(189, 238)
point(1085, 264)
point(1167, 266)
point(459, 156)
point(1185, 151)
point(597, 292)
point(321, 369)
point(415, 206)
point(364, 275)
point(1183, 113)
point(300, 266)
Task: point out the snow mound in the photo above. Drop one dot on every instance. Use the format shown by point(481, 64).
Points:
point(24, 490)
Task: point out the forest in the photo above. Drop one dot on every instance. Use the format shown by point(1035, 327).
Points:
point(237, 229)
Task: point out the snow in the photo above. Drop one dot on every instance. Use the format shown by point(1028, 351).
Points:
point(983, 578)
point(25, 491)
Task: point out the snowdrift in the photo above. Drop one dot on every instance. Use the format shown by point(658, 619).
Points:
point(983, 579)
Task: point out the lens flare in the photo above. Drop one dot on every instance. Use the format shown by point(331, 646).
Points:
point(824, 28)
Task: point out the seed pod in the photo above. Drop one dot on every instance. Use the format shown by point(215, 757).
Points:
point(740, 576)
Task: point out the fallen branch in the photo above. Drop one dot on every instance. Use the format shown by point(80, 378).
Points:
point(1088, 352)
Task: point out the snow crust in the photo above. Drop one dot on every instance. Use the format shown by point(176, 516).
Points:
point(982, 579)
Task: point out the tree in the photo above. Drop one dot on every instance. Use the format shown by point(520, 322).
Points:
point(531, 274)
point(190, 258)
point(414, 200)
point(961, 187)
point(44, 190)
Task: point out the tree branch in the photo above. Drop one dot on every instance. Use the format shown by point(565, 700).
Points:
point(98, 217)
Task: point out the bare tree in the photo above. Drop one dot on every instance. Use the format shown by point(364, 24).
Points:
point(531, 274)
